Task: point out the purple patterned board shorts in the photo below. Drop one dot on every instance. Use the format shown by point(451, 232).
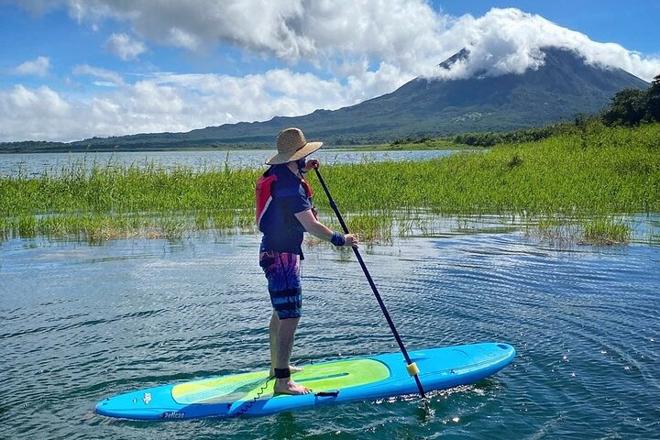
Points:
point(282, 270)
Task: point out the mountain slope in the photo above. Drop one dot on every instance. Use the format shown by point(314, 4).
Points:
point(563, 86)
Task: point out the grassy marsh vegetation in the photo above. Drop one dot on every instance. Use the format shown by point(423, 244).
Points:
point(606, 231)
point(596, 171)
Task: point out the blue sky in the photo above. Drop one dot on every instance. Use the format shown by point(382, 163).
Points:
point(71, 69)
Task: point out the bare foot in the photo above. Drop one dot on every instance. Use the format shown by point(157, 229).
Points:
point(292, 369)
point(287, 386)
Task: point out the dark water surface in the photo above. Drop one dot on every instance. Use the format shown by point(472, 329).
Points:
point(79, 323)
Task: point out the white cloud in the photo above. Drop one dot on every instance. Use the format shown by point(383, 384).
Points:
point(181, 38)
point(108, 77)
point(125, 47)
point(39, 67)
point(407, 34)
point(171, 102)
point(255, 97)
point(39, 113)
point(104, 83)
point(509, 41)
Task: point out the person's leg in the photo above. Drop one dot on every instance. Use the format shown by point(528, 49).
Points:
point(285, 336)
point(283, 273)
point(284, 342)
point(273, 329)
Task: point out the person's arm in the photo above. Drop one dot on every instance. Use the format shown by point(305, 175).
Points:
point(319, 230)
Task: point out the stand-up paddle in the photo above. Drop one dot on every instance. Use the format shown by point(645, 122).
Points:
point(412, 367)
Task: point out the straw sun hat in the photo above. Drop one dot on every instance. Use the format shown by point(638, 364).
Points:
point(292, 145)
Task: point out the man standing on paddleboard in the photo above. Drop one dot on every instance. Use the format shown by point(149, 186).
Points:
point(284, 213)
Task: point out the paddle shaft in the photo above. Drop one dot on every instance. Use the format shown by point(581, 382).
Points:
point(333, 205)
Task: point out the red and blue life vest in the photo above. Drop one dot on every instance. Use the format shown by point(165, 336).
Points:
point(264, 195)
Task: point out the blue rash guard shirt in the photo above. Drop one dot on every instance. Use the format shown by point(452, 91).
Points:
point(282, 230)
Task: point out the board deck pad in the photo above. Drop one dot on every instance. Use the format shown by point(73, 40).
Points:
point(346, 380)
point(318, 377)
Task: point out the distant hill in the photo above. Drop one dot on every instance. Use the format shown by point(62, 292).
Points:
point(564, 86)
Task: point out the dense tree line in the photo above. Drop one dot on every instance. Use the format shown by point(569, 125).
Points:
point(628, 107)
point(632, 106)
point(489, 139)
point(29, 146)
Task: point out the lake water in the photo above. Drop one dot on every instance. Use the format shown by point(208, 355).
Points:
point(37, 163)
point(80, 323)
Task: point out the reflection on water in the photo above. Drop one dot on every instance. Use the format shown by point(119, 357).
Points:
point(35, 164)
point(80, 323)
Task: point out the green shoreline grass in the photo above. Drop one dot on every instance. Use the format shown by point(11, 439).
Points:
point(599, 172)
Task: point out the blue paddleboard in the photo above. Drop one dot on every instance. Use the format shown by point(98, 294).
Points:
point(341, 381)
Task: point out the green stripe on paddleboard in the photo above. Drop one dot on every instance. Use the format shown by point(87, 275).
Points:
point(320, 377)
